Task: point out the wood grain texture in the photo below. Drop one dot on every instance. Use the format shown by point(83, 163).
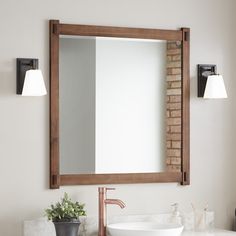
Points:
point(122, 32)
point(54, 105)
point(185, 107)
point(85, 179)
point(57, 29)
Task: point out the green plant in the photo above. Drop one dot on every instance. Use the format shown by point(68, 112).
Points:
point(65, 210)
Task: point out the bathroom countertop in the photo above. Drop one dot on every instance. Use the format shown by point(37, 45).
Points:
point(217, 232)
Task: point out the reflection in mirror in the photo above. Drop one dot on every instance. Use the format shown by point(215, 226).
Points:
point(120, 105)
point(173, 106)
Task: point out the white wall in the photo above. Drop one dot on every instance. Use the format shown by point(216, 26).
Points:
point(130, 106)
point(77, 105)
point(24, 126)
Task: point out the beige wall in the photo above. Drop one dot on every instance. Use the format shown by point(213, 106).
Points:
point(24, 127)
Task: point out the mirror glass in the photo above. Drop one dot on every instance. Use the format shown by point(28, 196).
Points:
point(119, 105)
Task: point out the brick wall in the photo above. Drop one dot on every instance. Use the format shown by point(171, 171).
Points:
point(173, 107)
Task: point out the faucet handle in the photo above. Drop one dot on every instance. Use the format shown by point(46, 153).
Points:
point(104, 189)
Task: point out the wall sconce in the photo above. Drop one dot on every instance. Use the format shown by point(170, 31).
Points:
point(210, 84)
point(29, 79)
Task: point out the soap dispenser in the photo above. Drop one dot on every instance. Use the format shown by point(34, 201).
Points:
point(175, 215)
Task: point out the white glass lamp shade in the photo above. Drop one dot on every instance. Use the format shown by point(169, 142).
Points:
point(34, 84)
point(215, 87)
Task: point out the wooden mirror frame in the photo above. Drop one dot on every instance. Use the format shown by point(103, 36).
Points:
point(57, 180)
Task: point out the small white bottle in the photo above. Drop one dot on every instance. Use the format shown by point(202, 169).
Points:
point(175, 215)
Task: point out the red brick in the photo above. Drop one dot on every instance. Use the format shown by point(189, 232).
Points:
point(176, 144)
point(174, 51)
point(174, 98)
point(173, 152)
point(174, 64)
point(167, 129)
point(175, 161)
point(174, 91)
point(176, 84)
point(171, 77)
point(176, 58)
point(175, 113)
point(174, 121)
point(176, 71)
point(173, 137)
point(167, 113)
point(168, 160)
point(173, 106)
point(175, 129)
point(168, 144)
point(173, 168)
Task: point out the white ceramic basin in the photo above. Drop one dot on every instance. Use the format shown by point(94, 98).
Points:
point(144, 229)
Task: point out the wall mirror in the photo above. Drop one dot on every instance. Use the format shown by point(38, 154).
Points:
point(119, 105)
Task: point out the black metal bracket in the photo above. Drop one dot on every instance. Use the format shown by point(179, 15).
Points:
point(22, 65)
point(203, 72)
point(186, 36)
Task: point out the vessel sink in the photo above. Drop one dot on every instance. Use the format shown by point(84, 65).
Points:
point(144, 229)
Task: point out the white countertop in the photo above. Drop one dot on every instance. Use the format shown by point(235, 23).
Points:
point(44, 227)
point(217, 232)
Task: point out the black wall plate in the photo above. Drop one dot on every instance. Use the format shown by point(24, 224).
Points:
point(22, 65)
point(203, 72)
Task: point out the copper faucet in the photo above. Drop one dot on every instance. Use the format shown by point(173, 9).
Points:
point(103, 201)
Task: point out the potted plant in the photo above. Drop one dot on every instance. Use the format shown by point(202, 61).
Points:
point(65, 216)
